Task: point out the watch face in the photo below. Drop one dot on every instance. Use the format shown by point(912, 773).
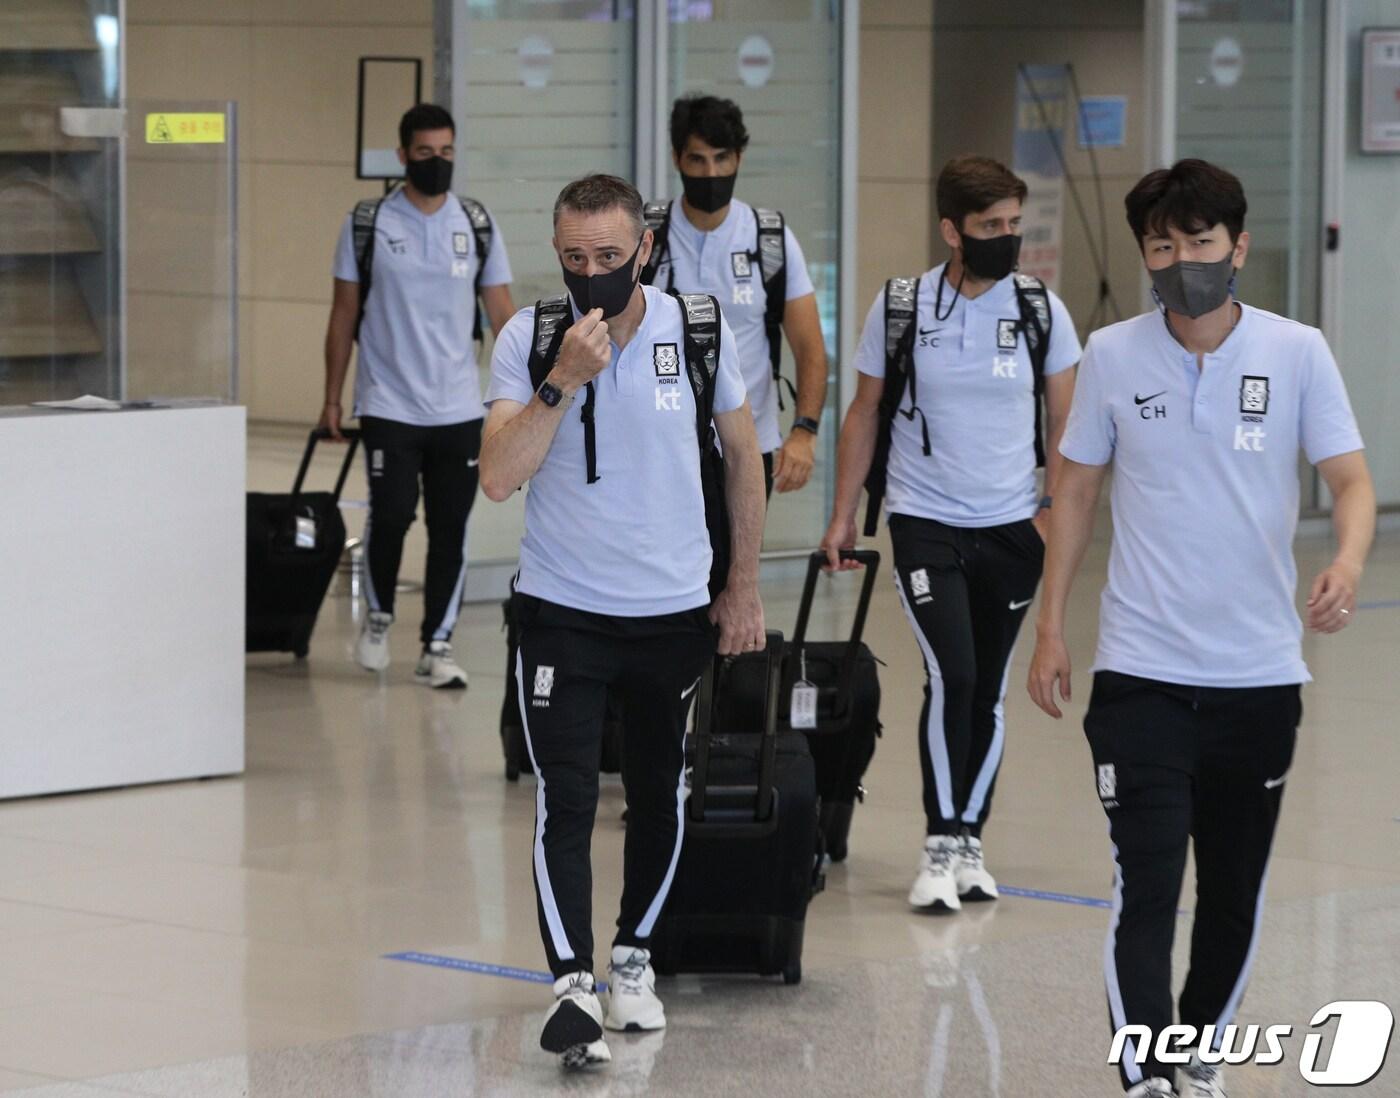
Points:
point(550, 394)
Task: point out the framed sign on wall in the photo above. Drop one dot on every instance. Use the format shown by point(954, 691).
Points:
point(1380, 90)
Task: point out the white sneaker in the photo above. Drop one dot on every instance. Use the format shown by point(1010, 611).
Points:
point(1198, 1080)
point(975, 884)
point(438, 669)
point(1156, 1087)
point(372, 649)
point(632, 1002)
point(936, 887)
point(573, 1028)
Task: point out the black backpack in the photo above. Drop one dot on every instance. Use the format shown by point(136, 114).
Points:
point(772, 267)
point(901, 309)
point(700, 323)
point(367, 214)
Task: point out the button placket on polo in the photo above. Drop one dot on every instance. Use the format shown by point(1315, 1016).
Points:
point(1200, 393)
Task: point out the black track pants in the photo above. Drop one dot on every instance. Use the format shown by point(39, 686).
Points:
point(1178, 765)
point(966, 592)
point(568, 663)
point(443, 459)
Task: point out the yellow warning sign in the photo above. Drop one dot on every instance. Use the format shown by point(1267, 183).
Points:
point(185, 129)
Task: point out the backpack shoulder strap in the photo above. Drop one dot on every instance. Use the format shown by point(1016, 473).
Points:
point(772, 267)
point(658, 218)
point(700, 322)
point(1033, 300)
point(483, 230)
point(362, 223)
point(553, 317)
point(901, 312)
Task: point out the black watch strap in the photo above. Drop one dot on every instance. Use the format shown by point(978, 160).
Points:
point(550, 394)
point(806, 423)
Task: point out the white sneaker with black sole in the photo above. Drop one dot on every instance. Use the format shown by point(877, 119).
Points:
point(1156, 1087)
point(1198, 1080)
point(975, 884)
point(573, 1028)
point(372, 649)
point(936, 886)
point(633, 1005)
point(438, 669)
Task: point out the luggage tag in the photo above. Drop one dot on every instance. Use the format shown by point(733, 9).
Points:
point(803, 711)
point(306, 532)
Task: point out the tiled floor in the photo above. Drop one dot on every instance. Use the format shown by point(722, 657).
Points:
point(228, 938)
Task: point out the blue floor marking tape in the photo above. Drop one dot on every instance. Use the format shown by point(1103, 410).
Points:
point(505, 972)
point(1054, 897)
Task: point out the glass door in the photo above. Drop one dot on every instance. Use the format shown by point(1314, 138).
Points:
point(780, 61)
point(542, 92)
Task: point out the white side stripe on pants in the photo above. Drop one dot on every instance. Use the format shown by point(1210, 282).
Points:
point(992, 763)
point(562, 948)
point(1110, 975)
point(454, 603)
point(933, 729)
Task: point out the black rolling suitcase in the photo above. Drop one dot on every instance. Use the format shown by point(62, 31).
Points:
point(846, 723)
point(295, 541)
point(750, 861)
point(513, 746)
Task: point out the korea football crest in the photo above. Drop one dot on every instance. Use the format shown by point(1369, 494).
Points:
point(741, 264)
point(1006, 334)
point(460, 244)
point(1254, 395)
point(667, 360)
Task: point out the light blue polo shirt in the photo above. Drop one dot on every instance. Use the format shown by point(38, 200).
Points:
point(1201, 579)
point(975, 385)
point(723, 262)
point(634, 543)
point(417, 360)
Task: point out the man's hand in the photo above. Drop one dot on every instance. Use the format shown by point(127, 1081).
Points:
point(1332, 600)
point(792, 467)
point(739, 615)
point(1049, 665)
point(330, 421)
point(584, 353)
point(839, 535)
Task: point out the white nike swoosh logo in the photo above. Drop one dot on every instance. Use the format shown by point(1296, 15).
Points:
point(1021, 605)
point(690, 689)
point(472, 463)
point(1274, 783)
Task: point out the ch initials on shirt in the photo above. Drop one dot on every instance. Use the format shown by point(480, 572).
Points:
point(1251, 439)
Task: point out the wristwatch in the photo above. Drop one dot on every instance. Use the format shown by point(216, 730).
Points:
point(1045, 502)
point(806, 423)
point(550, 394)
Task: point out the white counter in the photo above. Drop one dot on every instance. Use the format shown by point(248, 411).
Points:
point(121, 597)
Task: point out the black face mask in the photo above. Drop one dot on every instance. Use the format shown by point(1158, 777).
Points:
point(432, 176)
point(610, 292)
point(992, 259)
point(708, 193)
point(1194, 289)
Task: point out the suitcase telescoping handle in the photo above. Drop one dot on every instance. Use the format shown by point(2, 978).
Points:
point(704, 730)
point(871, 560)
point(351, 435)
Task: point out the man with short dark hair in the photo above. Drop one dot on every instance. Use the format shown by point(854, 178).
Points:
point(1201, 409)
point(947, 415)
point(710, 242)
point(609, 426)
point(408, 270)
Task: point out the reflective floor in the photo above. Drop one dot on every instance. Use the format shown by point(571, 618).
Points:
point(231, 937)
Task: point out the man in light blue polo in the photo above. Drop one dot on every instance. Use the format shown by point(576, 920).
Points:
point(614, 589)
point(947, 417)
point(1201, 409)
point(710, 242)
point(408, 269)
